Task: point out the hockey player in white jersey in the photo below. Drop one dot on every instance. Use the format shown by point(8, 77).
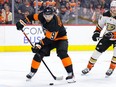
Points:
point(108, 39)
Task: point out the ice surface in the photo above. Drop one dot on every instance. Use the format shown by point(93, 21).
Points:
point(15, 65)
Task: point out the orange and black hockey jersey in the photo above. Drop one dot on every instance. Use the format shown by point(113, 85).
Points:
point(53, 30)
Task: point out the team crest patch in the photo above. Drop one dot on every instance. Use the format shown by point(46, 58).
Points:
point(110, 27)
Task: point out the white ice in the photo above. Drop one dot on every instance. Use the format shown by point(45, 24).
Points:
point(15, 65)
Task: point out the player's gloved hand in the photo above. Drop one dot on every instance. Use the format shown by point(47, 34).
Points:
point(20, 25)
point(95, 36)
point(36, 48)
point(108, 35)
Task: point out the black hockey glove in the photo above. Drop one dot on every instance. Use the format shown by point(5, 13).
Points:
point(20, 25)
point(108, 35)
point(36, 48)
point(95, 35)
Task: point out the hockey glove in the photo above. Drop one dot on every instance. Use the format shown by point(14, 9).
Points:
point(36, 48)
point(20, 25)
point(108, 35)
point(95, 36)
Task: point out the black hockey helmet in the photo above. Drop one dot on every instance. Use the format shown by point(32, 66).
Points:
point(48, 11)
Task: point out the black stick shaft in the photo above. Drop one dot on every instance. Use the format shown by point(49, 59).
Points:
point(42, 59)
point(27, 38)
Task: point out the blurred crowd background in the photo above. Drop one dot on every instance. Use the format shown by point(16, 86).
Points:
point(70, 11)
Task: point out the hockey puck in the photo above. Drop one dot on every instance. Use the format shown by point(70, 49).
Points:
point(51, 84)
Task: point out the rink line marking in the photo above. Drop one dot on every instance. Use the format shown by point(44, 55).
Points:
point(28, 48)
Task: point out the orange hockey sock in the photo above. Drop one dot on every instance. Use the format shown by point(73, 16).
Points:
point(112, 66)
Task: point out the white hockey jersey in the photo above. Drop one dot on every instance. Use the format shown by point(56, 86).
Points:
point(110, 22)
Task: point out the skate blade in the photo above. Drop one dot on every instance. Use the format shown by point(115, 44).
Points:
point(71, 81)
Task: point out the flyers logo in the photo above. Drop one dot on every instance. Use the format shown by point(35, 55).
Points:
point(110, 27)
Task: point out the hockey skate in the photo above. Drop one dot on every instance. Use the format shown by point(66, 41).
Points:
point(109, 72)
point(70, 78)
point(29, 76)
point(85, 71)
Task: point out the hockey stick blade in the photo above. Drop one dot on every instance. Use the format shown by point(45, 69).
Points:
point(58, 78)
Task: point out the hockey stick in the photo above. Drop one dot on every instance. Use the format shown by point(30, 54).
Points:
point(55, 78)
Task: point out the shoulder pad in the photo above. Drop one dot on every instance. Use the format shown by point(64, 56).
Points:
point(107, 14)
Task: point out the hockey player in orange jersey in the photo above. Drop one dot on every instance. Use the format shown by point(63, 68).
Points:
point(108, 39)
point(55, 37)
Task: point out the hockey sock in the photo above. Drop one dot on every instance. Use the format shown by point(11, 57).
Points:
point(67, 63)
point(91, 63)
point(113, 63)
point(34, 65)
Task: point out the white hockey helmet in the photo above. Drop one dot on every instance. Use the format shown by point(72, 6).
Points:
point(113, 4)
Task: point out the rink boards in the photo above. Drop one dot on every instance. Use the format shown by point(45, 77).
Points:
point(13, 40)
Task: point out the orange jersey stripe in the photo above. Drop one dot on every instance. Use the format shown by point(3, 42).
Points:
point(98, 28)
point(114, 35)
point(51, 35)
